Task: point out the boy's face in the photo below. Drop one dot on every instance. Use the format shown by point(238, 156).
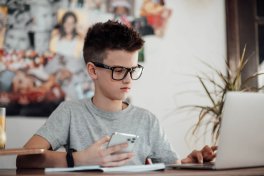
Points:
point(113, 89)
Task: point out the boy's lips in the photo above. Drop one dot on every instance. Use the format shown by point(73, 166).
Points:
point(126, 89)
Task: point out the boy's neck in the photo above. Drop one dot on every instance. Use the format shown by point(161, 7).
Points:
point(108, 105)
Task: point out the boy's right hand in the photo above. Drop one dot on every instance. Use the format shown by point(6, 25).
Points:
point(97, 154)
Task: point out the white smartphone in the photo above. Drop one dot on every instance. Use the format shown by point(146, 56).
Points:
point(119, 138)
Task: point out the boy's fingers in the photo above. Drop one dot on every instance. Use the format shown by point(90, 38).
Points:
point(206, 154)
point(214, 148)
point(191, 158)
point(115, 148)
point(103, 140)
point(186, 160)
point(198, 156)
point(121, 157)
point(209, 153)
point(209, 157)
point(213, 156)
point(115, 158)
point(206, 149)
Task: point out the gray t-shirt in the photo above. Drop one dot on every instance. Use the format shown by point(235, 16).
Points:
point(78, 124)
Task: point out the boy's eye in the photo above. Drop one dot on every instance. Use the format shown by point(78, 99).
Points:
point(119, 70)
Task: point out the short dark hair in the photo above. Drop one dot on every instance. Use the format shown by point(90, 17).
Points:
point(111, 35)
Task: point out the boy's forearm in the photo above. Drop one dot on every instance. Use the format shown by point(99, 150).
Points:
point(47, 159)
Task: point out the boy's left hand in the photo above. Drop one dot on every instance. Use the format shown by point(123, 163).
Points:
point(200, 156)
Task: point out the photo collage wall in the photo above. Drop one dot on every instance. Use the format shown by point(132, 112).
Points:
point(41, 44)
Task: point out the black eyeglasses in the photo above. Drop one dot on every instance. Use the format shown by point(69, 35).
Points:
point(119, 72)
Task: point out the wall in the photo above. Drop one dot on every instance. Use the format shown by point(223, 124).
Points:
point(195, 31)
point(19, 130)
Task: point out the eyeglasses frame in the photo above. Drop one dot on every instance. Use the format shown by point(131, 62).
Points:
point(101, 65)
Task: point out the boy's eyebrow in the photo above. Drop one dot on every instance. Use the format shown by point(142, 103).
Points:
point(124, 66)
point(102, 64)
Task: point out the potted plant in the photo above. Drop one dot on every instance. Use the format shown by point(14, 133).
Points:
point(211, 115)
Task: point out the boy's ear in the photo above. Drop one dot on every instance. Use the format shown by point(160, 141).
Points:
point(91, 70)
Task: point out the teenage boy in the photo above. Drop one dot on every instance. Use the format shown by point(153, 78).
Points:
point(111, 56)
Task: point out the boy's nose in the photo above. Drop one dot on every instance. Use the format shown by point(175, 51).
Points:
point(127, 79)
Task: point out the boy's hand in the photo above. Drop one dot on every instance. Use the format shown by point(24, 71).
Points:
point(97, 154)
point(205, 155)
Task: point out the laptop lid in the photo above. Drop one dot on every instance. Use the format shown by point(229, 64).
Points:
point(241, 141)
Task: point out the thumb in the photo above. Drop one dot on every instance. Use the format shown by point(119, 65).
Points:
point(186, 160)
point(214, 148)
point(103, 140)
point(199, 157)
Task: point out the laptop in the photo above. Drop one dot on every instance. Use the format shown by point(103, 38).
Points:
point(241, 140)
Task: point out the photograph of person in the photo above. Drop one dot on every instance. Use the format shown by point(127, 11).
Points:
point(70, 74)
point(17, 33)
point(157, 15)
point(36, 97)
point(17, 39)
point(19, 15)
point(98, 5)
point(121, 7)
point(43, 17)
point(32, 89)
point(142, 26)
point(65, 39)
point(122, 10)
point(26, 89)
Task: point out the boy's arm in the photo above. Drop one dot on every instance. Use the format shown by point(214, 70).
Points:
point(47, 159)
point(95, 154)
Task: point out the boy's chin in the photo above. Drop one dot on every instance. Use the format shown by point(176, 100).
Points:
point(125, 97)
point(122, 98)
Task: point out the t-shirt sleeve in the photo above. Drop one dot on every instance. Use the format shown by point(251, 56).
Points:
point(161, 147)
point(56, 128)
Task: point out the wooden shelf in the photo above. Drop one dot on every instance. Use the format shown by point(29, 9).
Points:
point(21, 151)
